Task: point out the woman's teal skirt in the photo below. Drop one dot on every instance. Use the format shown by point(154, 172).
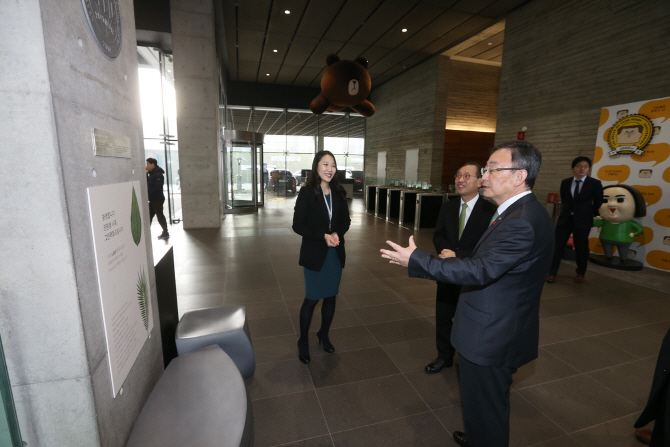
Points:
point(326, 282)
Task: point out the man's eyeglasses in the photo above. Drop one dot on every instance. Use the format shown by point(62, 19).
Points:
point(492, 170)
point(460, 176)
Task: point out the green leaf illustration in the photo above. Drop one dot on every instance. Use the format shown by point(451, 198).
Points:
point(135, 220)
point(143, 297)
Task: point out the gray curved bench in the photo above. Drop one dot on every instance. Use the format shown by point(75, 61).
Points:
point(225, 326)
point(200, 400)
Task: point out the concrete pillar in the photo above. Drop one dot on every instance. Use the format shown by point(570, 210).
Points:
point(197, 90)
point(55, 85)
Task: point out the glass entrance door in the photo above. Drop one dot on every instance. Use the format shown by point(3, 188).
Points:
point(243, 177)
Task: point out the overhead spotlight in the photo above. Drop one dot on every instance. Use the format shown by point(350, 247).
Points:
point(404, 30)
point(267, 74)
point(490, 43)
point(274, 51)
point(287, 12)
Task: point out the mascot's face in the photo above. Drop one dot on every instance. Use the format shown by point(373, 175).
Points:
point(618, 205)
point(345, 83)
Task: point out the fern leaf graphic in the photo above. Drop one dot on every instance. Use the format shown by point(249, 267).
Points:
point(143, 297)
point(135, 220)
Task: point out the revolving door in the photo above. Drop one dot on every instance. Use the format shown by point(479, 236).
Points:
point(244, 176)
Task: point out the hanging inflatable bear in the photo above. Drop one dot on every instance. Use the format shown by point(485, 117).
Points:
point(344, 84)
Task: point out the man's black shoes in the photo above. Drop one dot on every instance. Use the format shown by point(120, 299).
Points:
point(437, 365)
point(164, 235)
point(461, 438)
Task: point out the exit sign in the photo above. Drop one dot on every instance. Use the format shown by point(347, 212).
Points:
point(521, 135)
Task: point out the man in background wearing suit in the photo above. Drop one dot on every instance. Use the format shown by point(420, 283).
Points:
point(496, 328)
point(460, 225)
point(581, 197)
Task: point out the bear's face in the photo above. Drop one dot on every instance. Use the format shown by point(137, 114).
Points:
point(346, 83)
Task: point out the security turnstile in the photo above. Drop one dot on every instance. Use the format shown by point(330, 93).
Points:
point(428, 206)
point(407, 212)
point(393, 204)
point(380, 204)
point(370, 198)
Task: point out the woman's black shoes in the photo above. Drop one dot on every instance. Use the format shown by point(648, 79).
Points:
point(327, 345)
point(303, 350)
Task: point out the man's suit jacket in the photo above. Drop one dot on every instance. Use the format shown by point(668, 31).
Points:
point(497, 319)
point(585, 206)
point(656, 403)
point(310, 220)
point(446, 231)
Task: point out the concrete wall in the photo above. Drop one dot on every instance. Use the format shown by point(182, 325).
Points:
point(565, 60)
point(197, 91)
point(414, 109)
point(405, 119)
point(55, 86)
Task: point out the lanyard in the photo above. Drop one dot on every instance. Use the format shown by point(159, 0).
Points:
point(330, 210)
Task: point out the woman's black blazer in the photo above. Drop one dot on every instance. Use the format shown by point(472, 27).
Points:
point(310, 220)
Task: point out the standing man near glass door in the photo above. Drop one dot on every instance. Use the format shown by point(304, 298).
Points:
point(155, 182)
point(581, 197)
point(460, 225)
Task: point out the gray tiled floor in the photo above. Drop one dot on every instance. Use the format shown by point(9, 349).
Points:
point(598, 343)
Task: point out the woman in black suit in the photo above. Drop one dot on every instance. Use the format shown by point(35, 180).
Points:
point(321, 217)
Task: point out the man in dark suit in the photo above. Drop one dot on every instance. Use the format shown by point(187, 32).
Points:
point(496, 328)
point(658, 405)
point(460, 225)
point(581, 197)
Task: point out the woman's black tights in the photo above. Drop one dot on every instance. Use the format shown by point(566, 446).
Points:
point(327, 313)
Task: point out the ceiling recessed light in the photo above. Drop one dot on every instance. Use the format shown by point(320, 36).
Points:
point(267, 74)
point(404, 30)
point(274, 51)
point(490, 43)
point(287, 12)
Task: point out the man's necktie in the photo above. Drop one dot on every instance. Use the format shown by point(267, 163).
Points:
point(493, 219)
point(577, 183)
point(461, 220)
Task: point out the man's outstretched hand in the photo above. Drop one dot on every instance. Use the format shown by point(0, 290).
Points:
point(399, 255)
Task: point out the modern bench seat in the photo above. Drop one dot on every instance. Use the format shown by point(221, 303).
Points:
point(200, 400)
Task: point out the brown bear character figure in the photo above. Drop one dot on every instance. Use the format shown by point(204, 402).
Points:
point(344, 84)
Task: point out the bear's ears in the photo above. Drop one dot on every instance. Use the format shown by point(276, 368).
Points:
point(331, 59)
point(363, 61)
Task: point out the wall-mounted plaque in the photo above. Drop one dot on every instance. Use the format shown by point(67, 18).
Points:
point(104, 20)
point(108, 144)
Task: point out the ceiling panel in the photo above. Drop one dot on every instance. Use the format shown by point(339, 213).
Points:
point(301, 48)
point(351, 51)
point(490, 54)
point(502, 7)
point(434, 30)
point(388, 13)
point(306, 75)
point(416, 19)
point(392, 59)
point(483, 46)
point(473, 6)
point(247, 70)
point(252, 14)
point(370, 28)
point(268, 68)
point(281, 22)
point(497, 59)
point(322, 50)
point(375, 54)
point(279, 42)
point(457, 34)
point(287, 74)
point(317, 17)
point(250, 44)
point(352, 15)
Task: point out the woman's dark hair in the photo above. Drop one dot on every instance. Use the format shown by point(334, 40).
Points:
point(314, 181)
point(640, 205)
